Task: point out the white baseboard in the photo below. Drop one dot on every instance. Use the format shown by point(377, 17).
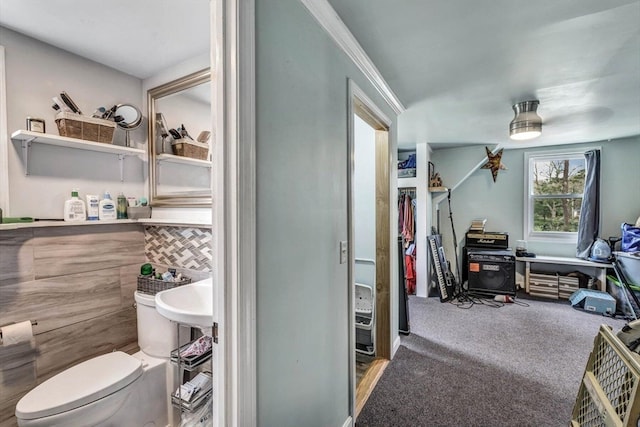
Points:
point(396, 346)
point(348, 422)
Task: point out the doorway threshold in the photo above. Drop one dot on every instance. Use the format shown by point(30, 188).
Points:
point(368, 382)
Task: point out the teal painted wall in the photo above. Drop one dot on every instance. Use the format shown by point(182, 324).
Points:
point(502, 202)
point(302, 155)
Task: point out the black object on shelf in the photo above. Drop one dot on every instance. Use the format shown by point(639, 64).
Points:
point(403, 300)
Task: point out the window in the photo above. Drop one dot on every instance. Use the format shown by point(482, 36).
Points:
point(555, 188)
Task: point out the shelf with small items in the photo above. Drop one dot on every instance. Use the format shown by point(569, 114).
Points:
point(191, 361)
point(27, 138)
point(189, 358)
point(192, 394)
point(438, 189)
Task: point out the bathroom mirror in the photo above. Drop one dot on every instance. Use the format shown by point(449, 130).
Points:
point(179, 158)
point(129, 118)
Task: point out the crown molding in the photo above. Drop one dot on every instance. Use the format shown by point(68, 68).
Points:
point(327, 17)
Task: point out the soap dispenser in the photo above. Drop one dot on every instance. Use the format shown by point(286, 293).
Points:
point(74, 208)
point(107, 207)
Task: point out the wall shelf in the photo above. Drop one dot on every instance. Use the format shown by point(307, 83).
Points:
point(60, 223)
point(438, 189)
point(171, 158)
point(27, 138)
point(408, 182)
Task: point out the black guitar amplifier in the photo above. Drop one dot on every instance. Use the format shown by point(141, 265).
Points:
point(489, 239)
point(491, 272)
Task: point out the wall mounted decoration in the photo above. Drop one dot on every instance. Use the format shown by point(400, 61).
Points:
point(494, 163)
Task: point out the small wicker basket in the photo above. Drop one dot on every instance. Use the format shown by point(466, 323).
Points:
point(74, 125)
point(193, 149)
point(151, 286)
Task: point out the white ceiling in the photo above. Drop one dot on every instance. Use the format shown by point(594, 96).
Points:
point(140, 38)
point(459, 65)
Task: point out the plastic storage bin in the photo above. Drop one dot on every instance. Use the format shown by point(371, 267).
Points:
point(365, 319)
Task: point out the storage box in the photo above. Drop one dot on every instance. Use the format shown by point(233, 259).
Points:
point(595, 301)
point(625, 303)
point(407, 173)
point(567, 285)
point(74, 125)
point(543, 285)
point(136, 212)
point(629, 262)
point(188, 148)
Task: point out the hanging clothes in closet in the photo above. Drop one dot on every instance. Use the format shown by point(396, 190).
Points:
point(406, 229)
point(406, 216)
point(410, 269)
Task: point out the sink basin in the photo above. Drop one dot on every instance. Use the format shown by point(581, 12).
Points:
point(190, 304)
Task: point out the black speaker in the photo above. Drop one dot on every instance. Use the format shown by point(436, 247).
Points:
point(491, 272)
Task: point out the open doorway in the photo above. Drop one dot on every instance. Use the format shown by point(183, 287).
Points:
point(370, 275)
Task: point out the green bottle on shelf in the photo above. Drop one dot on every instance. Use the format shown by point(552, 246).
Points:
point(121, 207)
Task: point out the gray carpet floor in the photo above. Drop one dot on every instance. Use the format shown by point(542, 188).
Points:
point(485, 366)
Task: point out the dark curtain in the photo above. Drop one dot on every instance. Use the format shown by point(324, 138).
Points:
point(589, 225)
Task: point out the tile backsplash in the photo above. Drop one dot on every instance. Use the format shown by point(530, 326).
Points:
point(180, 247)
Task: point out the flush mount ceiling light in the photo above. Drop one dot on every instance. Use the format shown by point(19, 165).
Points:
point(527, 124)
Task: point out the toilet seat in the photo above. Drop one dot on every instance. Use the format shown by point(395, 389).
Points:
point(80, 385)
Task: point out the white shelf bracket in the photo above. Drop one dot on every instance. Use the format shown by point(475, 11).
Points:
point(26, 147)
point(121, 160)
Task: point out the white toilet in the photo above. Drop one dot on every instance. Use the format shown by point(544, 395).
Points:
point(112, 390)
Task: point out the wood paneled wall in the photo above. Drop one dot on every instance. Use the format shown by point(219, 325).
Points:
point(77, 282)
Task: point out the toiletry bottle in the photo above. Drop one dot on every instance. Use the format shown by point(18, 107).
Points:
point(74, 208)
point(107, 207)
point(93, 207)
point(122, 206)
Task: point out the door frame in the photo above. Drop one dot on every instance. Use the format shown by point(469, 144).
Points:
point(359, 103)
point(234, 211)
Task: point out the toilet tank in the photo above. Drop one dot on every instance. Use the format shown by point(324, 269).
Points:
point(157, 335)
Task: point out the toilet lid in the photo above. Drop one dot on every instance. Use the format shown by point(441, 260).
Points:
point(79, 385)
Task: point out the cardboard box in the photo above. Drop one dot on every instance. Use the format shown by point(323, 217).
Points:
point(594, 301)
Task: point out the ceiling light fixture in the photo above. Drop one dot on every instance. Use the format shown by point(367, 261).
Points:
point(527, 124)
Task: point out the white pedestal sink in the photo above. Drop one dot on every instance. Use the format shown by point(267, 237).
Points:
point(190, 304)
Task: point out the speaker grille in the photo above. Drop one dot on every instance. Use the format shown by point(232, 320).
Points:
point(491, 273)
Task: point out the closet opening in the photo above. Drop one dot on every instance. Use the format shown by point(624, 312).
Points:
point(370, 269)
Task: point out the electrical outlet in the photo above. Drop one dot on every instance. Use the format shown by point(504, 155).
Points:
point(344, 251)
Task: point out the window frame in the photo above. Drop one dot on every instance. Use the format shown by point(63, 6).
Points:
point(529, 159)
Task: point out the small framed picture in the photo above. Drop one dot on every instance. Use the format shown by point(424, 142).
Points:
point(35, 125)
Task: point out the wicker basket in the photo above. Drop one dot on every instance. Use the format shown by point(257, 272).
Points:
point(74, 125)
point(187, 148)
point(151, 286)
